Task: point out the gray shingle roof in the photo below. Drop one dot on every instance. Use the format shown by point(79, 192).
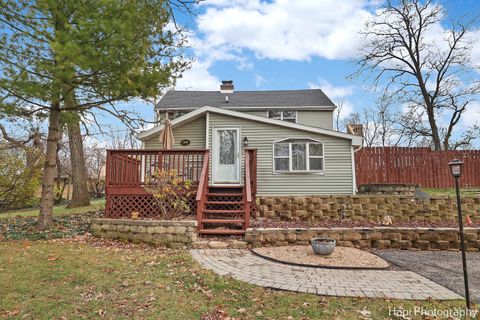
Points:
point(245, 99)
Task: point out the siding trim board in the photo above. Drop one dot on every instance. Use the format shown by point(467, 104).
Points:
point(207, 125)
point(354, 190)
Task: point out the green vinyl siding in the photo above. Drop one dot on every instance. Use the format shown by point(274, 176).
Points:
point(319, 119)
point(314, 118)
point(193, 131)
point(337, 178)
point(260, 113)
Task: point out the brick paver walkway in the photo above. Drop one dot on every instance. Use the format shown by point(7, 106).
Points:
point(243, 265)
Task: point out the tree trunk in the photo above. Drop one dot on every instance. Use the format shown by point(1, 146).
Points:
point(59, 188)
point(80, 194)
point(437, 144)
point(46, 202)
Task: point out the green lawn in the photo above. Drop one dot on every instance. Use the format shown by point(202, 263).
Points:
point(451, 192)
point(60, 210)
point(92, 279)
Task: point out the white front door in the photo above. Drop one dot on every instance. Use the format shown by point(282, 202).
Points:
point(226, 156)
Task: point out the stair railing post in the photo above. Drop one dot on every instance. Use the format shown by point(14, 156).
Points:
point(247, 190)
point(202, 190)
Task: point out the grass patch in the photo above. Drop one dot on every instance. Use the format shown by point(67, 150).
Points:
point(60, 210)
point(465, 192)
point(81, 279)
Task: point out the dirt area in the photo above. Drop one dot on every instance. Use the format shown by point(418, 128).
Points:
point(272, 223)
point(342, 257)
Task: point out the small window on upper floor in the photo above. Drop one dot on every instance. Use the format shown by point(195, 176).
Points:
point(290, 116)
point(298, 155)
point(171, 115)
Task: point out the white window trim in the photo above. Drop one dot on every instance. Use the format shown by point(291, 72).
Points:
point(281, 114)
point(307, 155)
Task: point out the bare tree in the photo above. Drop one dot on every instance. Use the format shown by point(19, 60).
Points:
point(338, 115)
point(95, 162)
point(380, 126)
point(432, 78)
point(124, 140)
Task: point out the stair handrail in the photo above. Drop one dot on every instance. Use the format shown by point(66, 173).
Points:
point(202, 190)
point(248, 181)
point(247, 189)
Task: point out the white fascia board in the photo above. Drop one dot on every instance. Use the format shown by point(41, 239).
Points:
point(356, 140)
point(144, 135)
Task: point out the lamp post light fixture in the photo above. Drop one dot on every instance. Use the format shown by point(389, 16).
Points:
point(456, 167)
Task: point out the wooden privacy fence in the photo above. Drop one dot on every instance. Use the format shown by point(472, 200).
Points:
point(421, 166)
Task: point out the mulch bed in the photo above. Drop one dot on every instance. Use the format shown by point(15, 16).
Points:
point(271, 223)
point(342, 257)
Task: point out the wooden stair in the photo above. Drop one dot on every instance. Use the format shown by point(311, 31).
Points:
point(224, 211)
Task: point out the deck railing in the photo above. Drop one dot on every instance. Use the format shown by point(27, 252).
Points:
point(131, 168)
point(202, 190)
point(127, 171)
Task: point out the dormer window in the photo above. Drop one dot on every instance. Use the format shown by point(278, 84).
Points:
point(289, 116)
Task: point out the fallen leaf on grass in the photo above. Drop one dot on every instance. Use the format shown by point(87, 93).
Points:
point(216, 314)
point(52, 257)
point(323, 301)
point(101, 313)
point(151, 298)
point(364, 314)
point(11, 313)
point(108, 270)
point(241, 310)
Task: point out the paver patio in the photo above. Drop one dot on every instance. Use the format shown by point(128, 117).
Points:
point(245, 266)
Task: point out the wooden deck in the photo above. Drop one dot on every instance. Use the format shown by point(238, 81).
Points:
point(218, 211)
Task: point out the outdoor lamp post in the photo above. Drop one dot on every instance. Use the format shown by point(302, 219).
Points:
point(456, 167)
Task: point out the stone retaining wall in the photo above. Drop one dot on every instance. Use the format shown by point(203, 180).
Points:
point(388, 189)
point(173, 234)
point(364, 207)
point(367, 238)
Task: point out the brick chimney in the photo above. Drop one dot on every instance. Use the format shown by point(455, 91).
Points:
point(226, 86)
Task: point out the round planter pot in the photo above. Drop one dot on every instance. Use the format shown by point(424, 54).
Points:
point(323, 246)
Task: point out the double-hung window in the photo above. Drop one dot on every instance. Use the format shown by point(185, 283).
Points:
point(289, 116)
point(298, 155)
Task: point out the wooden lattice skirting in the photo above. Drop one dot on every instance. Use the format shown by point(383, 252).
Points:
point(120, 206)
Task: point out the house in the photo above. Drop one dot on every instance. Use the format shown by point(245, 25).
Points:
point(264, 143)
